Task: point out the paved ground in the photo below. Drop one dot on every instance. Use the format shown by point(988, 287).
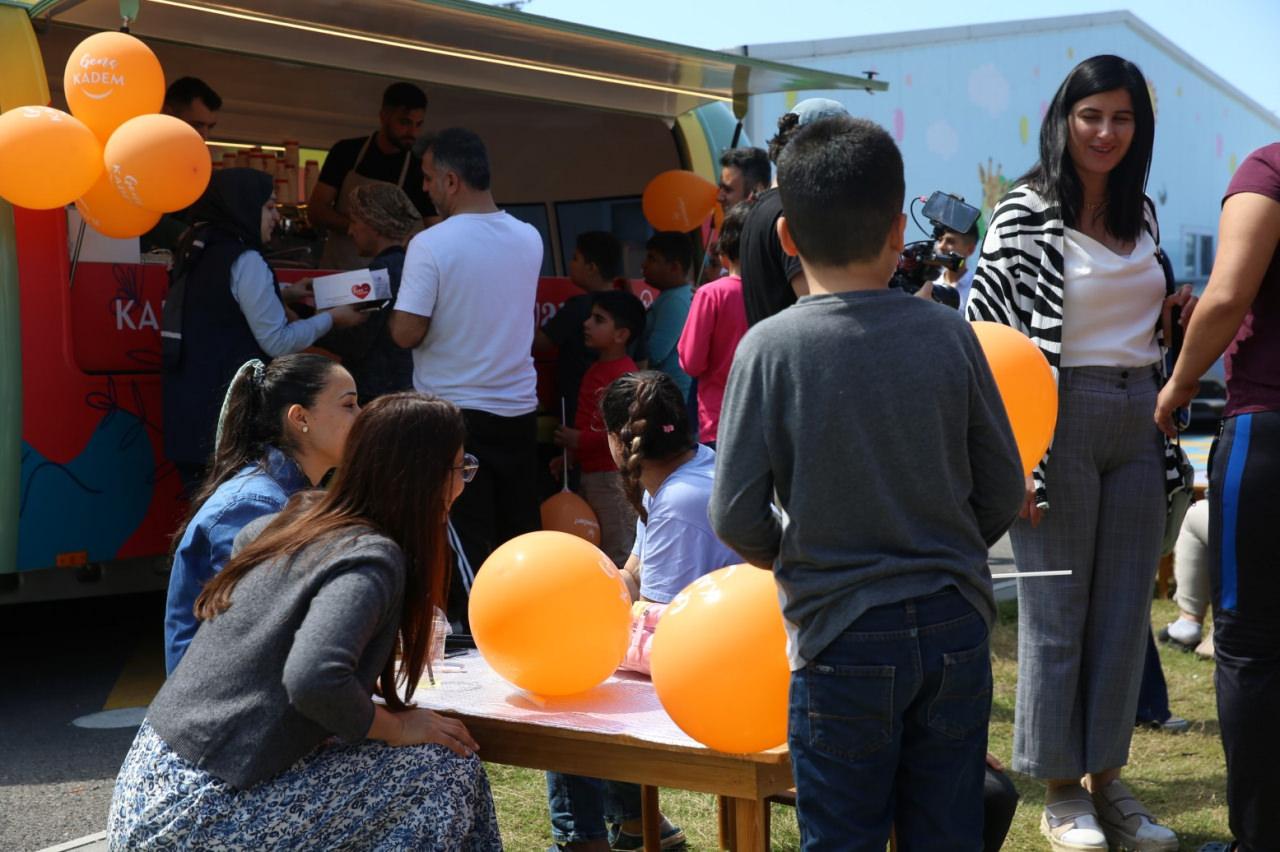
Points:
point(60, 662)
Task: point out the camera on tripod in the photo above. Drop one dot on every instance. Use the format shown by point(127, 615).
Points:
point(919, 262)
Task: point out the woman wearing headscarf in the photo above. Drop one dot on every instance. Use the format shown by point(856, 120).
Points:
point(382, 220)
point(223, 309)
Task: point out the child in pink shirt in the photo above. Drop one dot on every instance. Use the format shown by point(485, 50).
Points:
point(717, 321)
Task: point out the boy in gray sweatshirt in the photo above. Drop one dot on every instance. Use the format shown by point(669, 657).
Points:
point(871, 419)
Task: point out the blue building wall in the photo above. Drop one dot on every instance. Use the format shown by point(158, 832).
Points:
point(965, 105)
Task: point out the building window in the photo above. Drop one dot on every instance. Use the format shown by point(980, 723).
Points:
point(1197, 255)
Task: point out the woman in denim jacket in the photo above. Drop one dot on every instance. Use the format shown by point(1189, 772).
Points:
point(282, 429)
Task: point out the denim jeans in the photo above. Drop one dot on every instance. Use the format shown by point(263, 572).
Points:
point(581, 806)
point(888, 727)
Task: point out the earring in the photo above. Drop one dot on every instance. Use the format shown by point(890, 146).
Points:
point(305, 428)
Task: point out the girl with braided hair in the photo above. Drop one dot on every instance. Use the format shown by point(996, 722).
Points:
point(282, 428)
point(667, 478)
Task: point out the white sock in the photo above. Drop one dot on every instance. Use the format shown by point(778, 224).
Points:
point(1184, 630)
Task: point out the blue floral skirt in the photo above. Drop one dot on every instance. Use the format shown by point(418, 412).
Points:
point(363, 796)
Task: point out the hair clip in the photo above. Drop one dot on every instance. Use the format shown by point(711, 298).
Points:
point(667, 427)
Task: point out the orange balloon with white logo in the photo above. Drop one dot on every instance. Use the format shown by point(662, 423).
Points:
point(719, 661)
point(47, 158)
point(157, 162)
point(550, 613)
point(1026, 385)
point(110, 215)
point(678, 200)
point(109, 78)
point(567, 512)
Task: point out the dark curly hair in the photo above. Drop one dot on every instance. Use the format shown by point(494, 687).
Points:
point(787, 124)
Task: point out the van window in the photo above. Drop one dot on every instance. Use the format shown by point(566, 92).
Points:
point(536, 215)
point(621, 217)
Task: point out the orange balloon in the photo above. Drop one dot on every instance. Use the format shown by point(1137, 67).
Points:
point(678, 200)
point(158, 162)
point(568, 513)
point(719, 661)
point(112, 216)
point(1026, 385)
point(550, 613)
point(47, 158)
point(111, 77)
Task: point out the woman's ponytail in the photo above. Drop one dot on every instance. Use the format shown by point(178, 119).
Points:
point(252, 417)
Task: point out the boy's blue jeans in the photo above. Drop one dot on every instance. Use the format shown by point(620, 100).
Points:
point(580, 806)
point(888, 727)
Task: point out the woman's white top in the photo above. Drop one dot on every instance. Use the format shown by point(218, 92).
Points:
point(1110, 303)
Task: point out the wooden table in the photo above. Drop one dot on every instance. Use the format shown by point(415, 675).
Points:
point(618, 732)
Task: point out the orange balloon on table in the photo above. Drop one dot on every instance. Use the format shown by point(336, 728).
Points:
point(47, 158)
point(568, 513)
point(112, 216)
point(158, 162)
point(678, 200)
point(1026, 385)
point(550, 613)
point(111, 77)
point(719, 661)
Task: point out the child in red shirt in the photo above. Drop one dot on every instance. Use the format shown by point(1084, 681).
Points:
point(616, 319)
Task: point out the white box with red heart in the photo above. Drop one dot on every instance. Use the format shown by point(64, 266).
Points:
point(359, 286)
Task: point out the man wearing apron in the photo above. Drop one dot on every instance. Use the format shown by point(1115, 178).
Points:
point(386, 156)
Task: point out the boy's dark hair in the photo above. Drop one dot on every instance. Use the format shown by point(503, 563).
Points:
point(1054, 177)
point(674, 247)
point(602, 249)
point(404, 96)
point(460, 151)
point(648, 414)
point(624, 309)
point(184, 90)
point(752, 162)
point(731, 230)
point(842, 187)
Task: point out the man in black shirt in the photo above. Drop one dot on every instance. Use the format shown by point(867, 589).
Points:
point(771, 279)
point(385, 156)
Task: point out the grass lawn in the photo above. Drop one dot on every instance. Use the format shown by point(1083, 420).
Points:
point(1180, 777)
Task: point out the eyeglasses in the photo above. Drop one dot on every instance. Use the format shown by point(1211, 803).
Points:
point(470, 465)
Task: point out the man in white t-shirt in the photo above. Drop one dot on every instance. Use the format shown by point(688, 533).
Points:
point(466, 309)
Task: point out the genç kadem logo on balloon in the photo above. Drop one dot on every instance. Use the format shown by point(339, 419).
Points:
point(98, 76)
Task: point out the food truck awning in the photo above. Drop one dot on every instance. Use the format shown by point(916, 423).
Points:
point(464, 44)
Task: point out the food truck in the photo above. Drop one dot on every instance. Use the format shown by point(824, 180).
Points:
point(577, 120)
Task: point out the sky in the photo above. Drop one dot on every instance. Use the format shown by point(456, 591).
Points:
point(1237, 39)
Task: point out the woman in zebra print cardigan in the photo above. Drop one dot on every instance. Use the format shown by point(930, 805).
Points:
point(1071, 260)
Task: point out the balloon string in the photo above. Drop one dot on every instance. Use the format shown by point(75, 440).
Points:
point(564, 474)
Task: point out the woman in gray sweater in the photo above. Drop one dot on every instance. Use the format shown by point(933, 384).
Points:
point(266, 736)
